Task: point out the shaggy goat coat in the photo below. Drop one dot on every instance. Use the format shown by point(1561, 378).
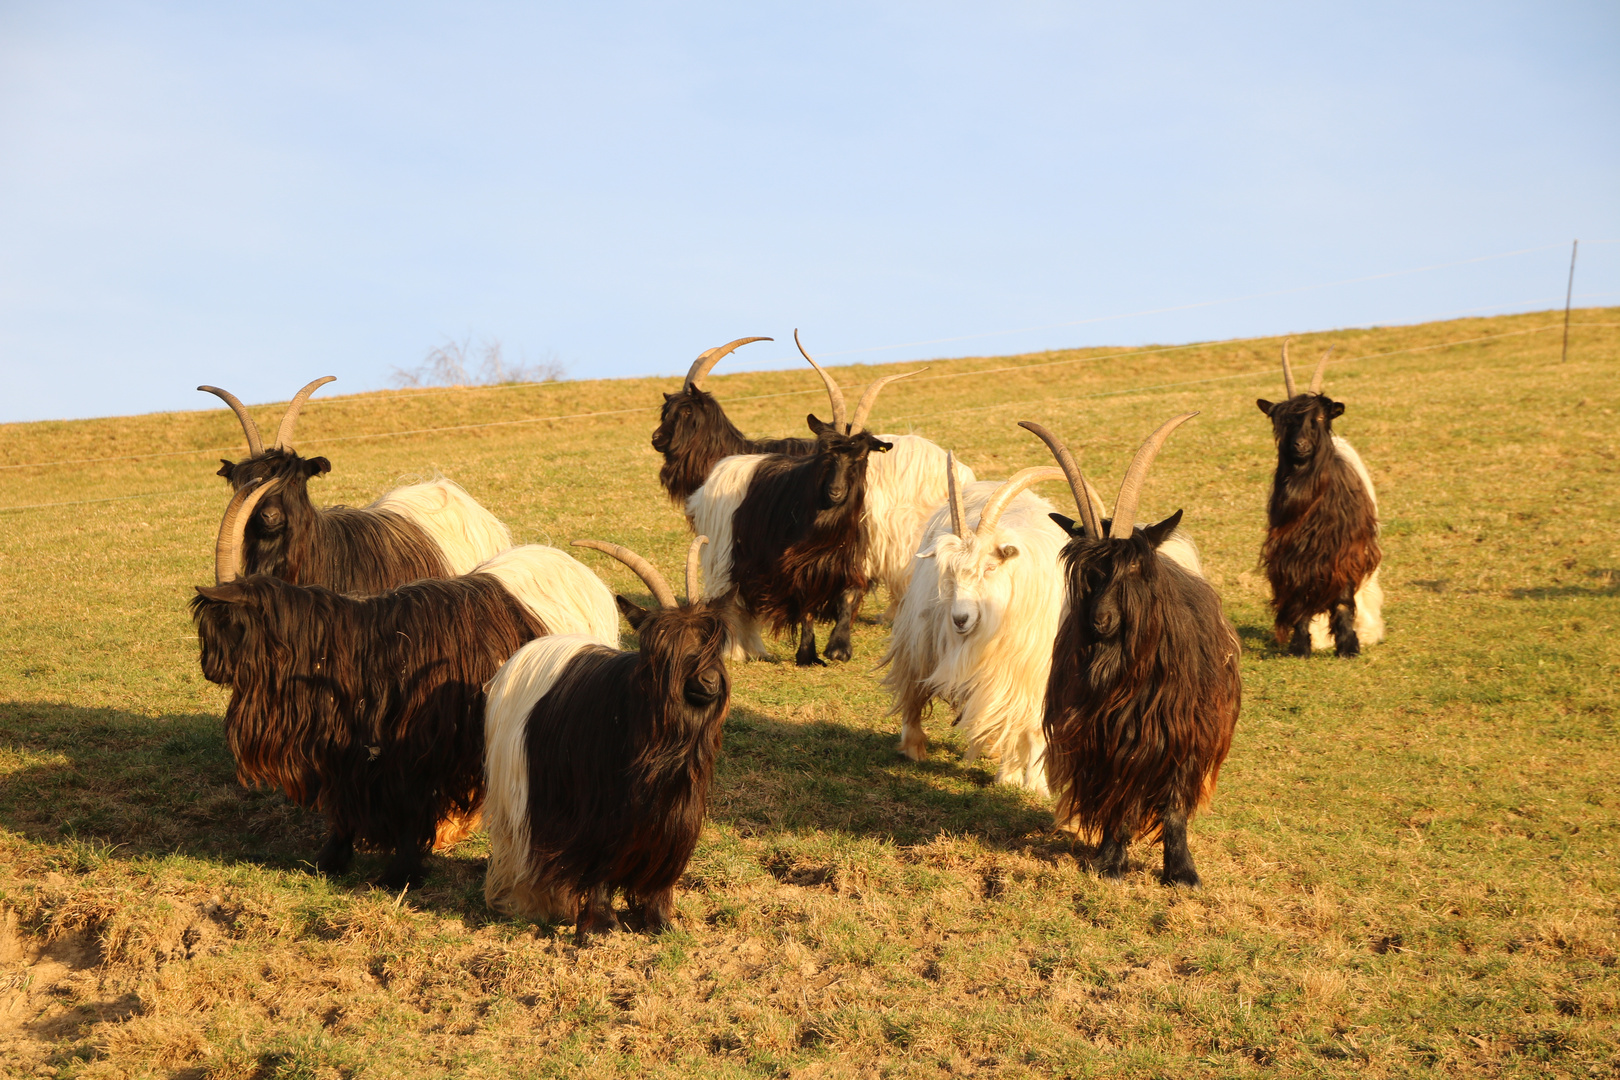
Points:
point(1144, 690)
point(369, 709)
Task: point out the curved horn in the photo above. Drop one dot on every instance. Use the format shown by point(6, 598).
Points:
point(834, 395)
point(249, 428)
point(958, 515)
point(710, 357)
point(868, 399)
point(1019, 482)
point(1130, 489)
point(1078, 485)
point(644, 569)
point(289, 419)
point(228, 544)
point(694, 564)
point(1288, 372)
point(1321, 370)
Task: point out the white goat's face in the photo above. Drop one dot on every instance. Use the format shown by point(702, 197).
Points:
point(973, 584)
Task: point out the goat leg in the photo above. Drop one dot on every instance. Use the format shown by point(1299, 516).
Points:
point(913, 703)
point(1111, 861)
point(658, 911)
point(1301, 645)
point(595, 914)
point(806, 656)
point(1343, 623)
point(839, 646)
point(405, 868)
point(1178, 860)
point(337, 853)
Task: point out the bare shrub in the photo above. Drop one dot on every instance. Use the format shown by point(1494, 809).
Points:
point(466, 363)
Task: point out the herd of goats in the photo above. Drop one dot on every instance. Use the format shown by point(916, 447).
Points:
point(406, 671)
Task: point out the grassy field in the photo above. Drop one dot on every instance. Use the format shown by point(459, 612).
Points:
point(1410, 867)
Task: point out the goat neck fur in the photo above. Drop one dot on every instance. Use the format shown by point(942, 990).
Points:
point(694, 433)
point(796, 536)
point(903, 489)
point(1321, 543)
point(1144, 690)
point(363, 708)
point(353, 551)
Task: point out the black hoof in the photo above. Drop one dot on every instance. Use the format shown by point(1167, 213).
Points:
point(1185, 876)
point(335, 857)
point(1348, 650)
point(841, 653)
point(1300, 646)
point(396, 879)
point(809, 661)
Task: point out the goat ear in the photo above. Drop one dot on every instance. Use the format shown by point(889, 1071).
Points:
point(1265, 406)
point(635, 614)
point(881, 447)
point(928, 552)
point(222, 593)
point(1158, 534)
point(820, 427)
point(225, 468)
point(1007, 551)
point(1336, 410)
point(317, 467)
point(1068, 524)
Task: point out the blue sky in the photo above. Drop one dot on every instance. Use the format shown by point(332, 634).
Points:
point(252, 195)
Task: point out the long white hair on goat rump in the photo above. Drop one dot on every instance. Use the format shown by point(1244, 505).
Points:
point(561, 591)
point(465, 532)
point(994, 675)
point(511, 696)
point(1369, 594)
point(903, 489)
point(710, 510)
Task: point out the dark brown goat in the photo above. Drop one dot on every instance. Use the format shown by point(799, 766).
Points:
point(600, 761)
point(1144, 691)
point(430, 530)
point(792, 535)
point(694, 432)
point(369, 709)
point(1321, 546)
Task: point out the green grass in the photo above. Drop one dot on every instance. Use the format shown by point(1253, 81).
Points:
point(1410, 866)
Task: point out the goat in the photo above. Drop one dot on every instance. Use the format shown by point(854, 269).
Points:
point(1321, 549)
point(694, 432)
point(787, 535)
point(427, 530)
point(903, 487)
point(367, 708)
point(977, 626)
point(1145, 688)
point(599, 761)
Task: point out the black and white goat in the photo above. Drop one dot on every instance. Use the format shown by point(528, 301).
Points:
point(1321, 550)
point(599, 761)
point(977, 625)
point(788, 537)
point(1145, 689)
point(427, 530)
point(369, 709)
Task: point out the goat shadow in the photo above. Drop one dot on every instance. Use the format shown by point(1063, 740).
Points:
point(103, 783)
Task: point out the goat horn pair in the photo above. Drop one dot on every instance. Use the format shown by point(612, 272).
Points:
point(233, 527)
point(289, 419)
point(649, 574)
point(841, 418)
point(710, 357)
point(1130, 489)
point(1316, 377)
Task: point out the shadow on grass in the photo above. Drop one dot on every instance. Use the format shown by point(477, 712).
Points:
point(152, 787)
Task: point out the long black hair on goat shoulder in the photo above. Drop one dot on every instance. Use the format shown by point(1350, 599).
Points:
point(350, 550)
point(1322, 536)
point(1143, 695)
point(366, 709)
point(694, 432)
point(797, 541)
point(621, 754)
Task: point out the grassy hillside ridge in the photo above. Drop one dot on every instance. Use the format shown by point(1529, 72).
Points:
point(1410, 865)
